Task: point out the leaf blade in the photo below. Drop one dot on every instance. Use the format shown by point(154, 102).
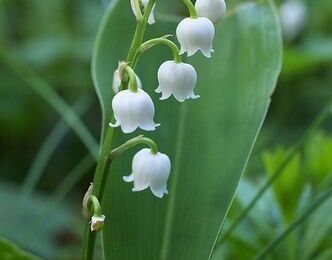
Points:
point(219, 131)
point(10, 251)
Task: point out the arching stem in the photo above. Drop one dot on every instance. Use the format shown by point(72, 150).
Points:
point(133, 142)
point(191, 8)
point(150, 43)
point(132, 79)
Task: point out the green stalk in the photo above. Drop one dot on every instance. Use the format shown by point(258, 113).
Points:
point(99, 182)
point(139, 33)
point(95, 205)
point(191, 8)
point(132, 79)
point(104, 160)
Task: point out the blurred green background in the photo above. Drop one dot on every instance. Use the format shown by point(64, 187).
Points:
point(52, 41)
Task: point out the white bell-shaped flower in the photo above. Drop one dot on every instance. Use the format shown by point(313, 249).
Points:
point(215, 10)
point(151, 19)
point(150, 170)
point(133, 109)
point(117, 81)
point(178, 79)
point(196, 34)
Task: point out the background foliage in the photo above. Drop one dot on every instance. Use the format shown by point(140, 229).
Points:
point(53, 40)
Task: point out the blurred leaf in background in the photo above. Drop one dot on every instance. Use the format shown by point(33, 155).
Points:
point(60, 229)
point(290, 181)
point(318, 158)
point(298, 186)
point(8, 251)
point(54, 40)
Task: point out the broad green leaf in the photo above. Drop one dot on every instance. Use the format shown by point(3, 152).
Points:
point(208, 140)
point(9, 251)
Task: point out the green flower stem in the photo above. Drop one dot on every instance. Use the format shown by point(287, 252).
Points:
point(95, 205)
point(139, 33)
point(136, 10)
point(191, 8)
point(132, 79)
point(104, 161)
point(150, 43)
point(133, 142)
point(99, 182)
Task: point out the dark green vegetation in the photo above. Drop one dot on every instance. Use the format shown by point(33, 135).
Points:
point(47, 150)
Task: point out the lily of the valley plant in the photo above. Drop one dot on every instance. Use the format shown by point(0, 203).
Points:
point(133, 107)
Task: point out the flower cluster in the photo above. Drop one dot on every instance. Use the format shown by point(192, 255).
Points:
point(133, 108)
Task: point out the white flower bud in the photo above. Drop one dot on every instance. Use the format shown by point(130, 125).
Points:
point(85, 201)
point(215, 10)
point(151, 19)
point(196, 34)
point(292, 18)
point(97, 223)
point(150, 170)
point(136, 10)
point(117, 81)
point(178, 79)
point(132, 110)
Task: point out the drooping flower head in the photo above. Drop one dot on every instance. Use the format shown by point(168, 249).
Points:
point(178, 79)
point(133, 109)
point(150, 170)
point(215, 10)
point(196, 34)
